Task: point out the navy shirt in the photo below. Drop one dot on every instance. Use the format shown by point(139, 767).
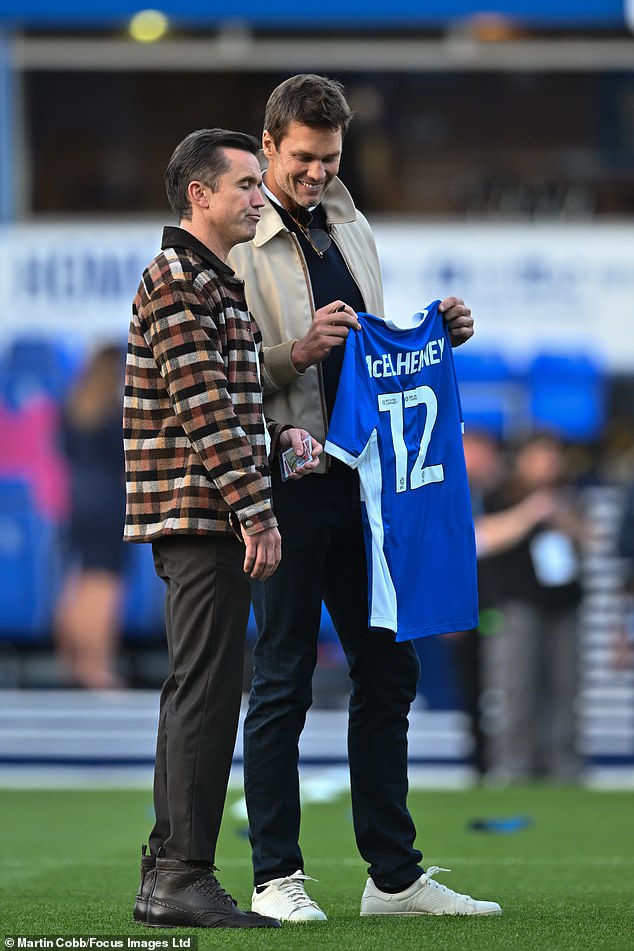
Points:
point(331, 280)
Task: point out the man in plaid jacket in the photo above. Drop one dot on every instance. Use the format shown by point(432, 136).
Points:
point(197, 453)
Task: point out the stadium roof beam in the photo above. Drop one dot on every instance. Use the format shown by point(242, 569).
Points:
point(240, 51)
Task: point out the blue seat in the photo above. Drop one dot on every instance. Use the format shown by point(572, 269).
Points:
point(33, 367)
point(567, 395)
point(492, 395)
point(30, 566)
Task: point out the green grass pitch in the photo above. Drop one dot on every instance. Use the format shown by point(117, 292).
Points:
point(69, 866)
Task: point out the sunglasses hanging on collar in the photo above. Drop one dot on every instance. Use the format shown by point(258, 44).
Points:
point(318, 239)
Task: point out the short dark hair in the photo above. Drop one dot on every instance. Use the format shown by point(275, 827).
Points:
point(315, 101)
point(200, 156)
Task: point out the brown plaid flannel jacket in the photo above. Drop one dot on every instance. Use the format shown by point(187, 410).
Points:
point(194, 435)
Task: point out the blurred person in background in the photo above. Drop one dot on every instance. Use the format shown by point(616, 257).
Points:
point(197, 453)
point(87, 617)
point(311, 267)
point(495, 533)
point(530, 662)
point(624, 637)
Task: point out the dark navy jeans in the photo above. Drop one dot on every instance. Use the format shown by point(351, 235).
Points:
point(323, 556)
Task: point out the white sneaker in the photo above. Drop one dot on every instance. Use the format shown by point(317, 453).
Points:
point(286, 899)
point(424, 897)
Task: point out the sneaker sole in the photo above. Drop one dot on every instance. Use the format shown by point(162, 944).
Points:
point(431, 914)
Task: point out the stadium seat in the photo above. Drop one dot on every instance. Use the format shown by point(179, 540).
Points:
point(492, 395)
point(32, 367)
point(567, 395)
point(30, 565)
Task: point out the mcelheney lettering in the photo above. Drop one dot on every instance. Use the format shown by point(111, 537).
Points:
point(405, 363)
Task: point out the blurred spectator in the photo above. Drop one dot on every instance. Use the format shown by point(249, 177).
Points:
point(530, 663)
point(624, 642)
point(495, 533)
point(484, 468)
point(87, 616)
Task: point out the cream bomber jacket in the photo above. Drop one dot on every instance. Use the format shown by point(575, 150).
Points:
point(279, 296)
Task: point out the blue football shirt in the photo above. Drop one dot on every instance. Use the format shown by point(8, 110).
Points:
point(398, 420)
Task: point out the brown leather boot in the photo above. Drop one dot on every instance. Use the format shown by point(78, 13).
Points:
point(188, 895)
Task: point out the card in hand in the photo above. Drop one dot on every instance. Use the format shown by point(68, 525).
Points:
point(290, 461)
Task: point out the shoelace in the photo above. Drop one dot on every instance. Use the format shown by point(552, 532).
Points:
point(210, 884)
point(433, 870)
point(293, 889)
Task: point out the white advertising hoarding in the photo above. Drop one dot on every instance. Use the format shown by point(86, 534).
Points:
point(73, 281)
point(555, 287)
point(559, 288)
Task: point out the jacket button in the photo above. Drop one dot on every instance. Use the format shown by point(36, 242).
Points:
point(248, 523)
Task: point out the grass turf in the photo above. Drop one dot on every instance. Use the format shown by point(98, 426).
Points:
point(69, 866)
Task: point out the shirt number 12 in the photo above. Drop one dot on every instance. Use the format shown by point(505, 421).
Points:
point(395, 404)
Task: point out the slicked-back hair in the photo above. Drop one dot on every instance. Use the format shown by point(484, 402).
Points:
point(201, 157)
point(312, 100)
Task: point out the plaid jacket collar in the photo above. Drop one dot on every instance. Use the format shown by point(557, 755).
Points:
point(174, 237)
